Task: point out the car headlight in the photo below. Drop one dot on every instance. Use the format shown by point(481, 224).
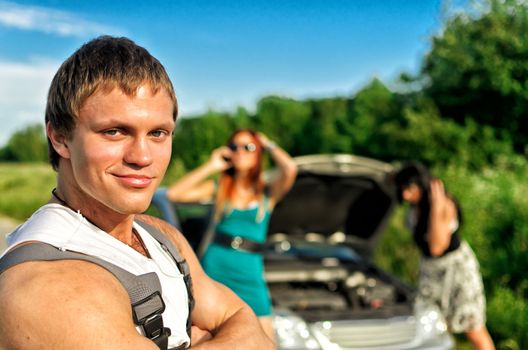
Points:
point(431, 322)
point(293, 333)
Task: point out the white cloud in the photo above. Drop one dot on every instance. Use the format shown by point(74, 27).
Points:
point(23, 91)
point(49, 20)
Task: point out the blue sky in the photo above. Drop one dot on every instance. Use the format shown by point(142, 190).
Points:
point(219, 54)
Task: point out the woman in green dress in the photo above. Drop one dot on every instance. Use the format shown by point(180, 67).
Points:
point(243, 207)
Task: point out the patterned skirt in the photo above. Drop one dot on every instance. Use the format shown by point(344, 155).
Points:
point(454, 283)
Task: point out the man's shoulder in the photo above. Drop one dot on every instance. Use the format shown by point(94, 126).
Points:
point(58, 304)
point(49, 280)
point(56, 294)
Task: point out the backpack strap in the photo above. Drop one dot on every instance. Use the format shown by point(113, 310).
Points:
point(182, 265)
point(143, 290)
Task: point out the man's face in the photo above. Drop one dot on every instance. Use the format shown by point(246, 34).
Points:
point(120, 149)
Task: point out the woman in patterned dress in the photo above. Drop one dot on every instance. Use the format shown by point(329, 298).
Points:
point(449, 270)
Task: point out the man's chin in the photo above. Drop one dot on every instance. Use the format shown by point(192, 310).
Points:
point(136, 208)
point(132, 207)
point(126, 202)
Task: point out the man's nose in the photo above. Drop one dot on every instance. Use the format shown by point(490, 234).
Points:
point(139, 152)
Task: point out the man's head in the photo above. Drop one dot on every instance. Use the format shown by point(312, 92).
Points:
point(110, 116)
point(100, 65)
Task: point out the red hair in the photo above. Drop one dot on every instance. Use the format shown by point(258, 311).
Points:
point(226, 184)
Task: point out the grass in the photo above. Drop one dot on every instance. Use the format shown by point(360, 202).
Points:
point(24, 187)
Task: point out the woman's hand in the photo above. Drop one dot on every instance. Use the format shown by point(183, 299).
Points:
point(442, 214)
point(441, 205)
point(221, 159)
point(265, 141)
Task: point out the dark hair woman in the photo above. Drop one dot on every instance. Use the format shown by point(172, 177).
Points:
point(243, 206)
point(449, 270)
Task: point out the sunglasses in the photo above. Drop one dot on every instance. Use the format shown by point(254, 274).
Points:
point(248, 147)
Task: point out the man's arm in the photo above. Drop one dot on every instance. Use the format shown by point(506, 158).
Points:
point(65, 304)
point(218, 310)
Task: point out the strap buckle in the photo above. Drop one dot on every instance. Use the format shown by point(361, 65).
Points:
point(147, 313)
point(153, 327)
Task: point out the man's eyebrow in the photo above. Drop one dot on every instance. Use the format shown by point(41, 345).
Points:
point(118, 123)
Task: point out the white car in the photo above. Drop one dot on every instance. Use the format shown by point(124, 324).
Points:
point(326, 292)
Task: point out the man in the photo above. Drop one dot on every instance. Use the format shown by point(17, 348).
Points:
point(110, 115)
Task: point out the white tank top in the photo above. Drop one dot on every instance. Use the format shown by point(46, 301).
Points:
point(67, 230)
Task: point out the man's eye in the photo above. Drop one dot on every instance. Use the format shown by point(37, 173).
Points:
point(112, 132)
point(158, 133)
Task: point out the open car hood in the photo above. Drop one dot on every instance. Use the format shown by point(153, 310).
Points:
point(336, 199)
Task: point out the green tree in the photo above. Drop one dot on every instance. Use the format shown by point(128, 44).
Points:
point(477, 67)
point(373, 107)
point(327, 129)
point(423, 134)
point(283, 120)
point(27, 145)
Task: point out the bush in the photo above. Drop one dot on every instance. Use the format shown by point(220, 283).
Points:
point(511, 327)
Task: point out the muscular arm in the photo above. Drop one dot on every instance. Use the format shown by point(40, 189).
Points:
point(218, 310)
point(65, 305)
point(442, 215)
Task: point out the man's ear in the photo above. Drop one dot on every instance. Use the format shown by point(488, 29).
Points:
point(58, 141)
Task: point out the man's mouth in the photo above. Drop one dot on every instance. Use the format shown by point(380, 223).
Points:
point(133, 180)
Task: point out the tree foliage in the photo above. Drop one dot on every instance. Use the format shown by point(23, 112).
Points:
point(282, 119)
point(375, 122)
point(477, 67)
point(26, 145)
point(372, 107)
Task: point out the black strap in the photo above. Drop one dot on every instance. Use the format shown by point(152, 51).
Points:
point(238, 243)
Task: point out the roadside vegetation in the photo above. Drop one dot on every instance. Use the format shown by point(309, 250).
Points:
point(464, 115)
point(24, 187)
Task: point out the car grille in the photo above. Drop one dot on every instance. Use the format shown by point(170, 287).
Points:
point(366, 334)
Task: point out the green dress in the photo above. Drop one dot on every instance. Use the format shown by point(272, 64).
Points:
point(242, 272)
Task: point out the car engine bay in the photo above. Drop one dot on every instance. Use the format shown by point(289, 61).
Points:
point(321, 282)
